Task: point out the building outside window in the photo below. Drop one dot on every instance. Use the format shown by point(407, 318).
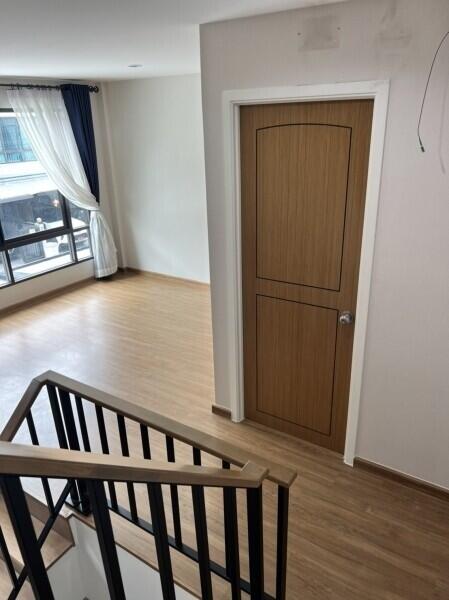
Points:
point(40, 230)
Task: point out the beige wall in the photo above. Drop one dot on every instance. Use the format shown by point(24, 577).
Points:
point(404, 421)
point(156, 141)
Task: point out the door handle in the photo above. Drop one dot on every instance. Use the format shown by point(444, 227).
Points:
point(346, 317)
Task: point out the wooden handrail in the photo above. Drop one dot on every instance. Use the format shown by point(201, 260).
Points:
point(278, 474)
point(21, 410)
point(36, 461)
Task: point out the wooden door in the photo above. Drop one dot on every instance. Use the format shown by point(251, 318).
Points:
point(304, 170)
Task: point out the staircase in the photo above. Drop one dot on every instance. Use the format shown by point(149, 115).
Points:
point(201, 504)
point(55, 546)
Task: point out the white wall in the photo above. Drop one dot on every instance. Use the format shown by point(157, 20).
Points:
point(38, 286)
point(405, 398)
point(66, 579)
point(80, 572)
point(157, 146)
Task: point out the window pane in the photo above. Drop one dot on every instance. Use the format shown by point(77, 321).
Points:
point(29, 201)
point(82, 243)
point(14, 145)
point(39, 257)
point(30, 204)
point(30, 214)
point(80, 216)
point(3, 271)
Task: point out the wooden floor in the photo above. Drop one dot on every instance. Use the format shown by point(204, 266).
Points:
point(353, 535)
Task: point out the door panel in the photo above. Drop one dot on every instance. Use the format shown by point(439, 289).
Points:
point(295, 362)
point(304, 171)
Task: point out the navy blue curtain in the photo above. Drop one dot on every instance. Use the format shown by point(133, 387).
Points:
point(77, 101)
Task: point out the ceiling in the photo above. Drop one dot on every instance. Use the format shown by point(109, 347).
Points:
point(98, 39)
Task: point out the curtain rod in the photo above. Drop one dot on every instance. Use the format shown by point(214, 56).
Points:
point(29, 86)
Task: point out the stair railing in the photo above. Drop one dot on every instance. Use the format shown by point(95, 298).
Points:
point(85, 488)
point(93, 470)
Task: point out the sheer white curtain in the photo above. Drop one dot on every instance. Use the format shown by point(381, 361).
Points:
point(43, 117)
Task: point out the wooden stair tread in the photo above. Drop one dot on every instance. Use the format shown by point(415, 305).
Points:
point(26, 592)
point(55, 545)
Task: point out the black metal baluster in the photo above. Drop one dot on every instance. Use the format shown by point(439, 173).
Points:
point(199, 511)
point(282, 535)
point(174, 494)
point(197, 456)
point(20, 517)
point(7, 558)
point(69, 419)
point(161, 540)
point(106, 540)
point(105, 450)
point(83, 424)
point(231, 530)
point(58, 506)
point(57, 417)
point(44, 534)
point(60, 432)
point(255, 542)
point(145, 441)
point(72, 437)
point(45, 484)
point(199, 508)
point(125, 452)
point(159, 523)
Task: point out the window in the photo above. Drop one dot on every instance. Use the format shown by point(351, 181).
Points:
point(40, 230)
point(14, 146)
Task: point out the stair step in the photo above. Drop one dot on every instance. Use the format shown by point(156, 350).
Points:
point(26, 592)
point(55, 546)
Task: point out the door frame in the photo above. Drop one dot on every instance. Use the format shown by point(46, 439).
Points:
point(231, 102)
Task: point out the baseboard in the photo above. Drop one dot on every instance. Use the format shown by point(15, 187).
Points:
point(164, 276)
point(221, 411)
point(408, 480)
point(45, 296)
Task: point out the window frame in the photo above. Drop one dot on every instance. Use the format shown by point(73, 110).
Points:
point(66, 229)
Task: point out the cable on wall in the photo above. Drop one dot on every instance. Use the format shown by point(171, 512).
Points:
point(446, 35)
